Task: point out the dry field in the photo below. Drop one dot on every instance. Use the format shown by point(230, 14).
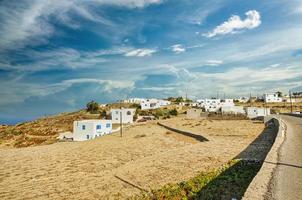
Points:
point(110, 167)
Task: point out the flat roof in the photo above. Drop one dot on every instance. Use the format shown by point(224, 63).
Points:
point(94, 120)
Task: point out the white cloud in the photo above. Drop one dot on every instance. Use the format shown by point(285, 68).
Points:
point(235, 23)
point(214, 62)
point(178, 48)
point(140, 52)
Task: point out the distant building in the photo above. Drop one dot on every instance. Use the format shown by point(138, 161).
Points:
point(233, 109)
point(253, 112)
point(133, 100)
point(194, 113)
point(164, 102)
point(150, 104)
point(212, 105)
point(227, 102)
point(126, 114)
point(90, 129)
point(271, 98)
point(199, 103)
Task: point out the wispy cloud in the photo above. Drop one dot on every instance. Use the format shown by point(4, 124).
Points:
point(28, 22)
point(214, 62)
point(235, 23)
point(140, 52)
point(178, 48)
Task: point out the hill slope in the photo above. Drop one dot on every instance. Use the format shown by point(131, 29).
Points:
point(41, 131)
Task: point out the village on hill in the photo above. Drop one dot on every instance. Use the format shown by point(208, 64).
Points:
point(135, 148)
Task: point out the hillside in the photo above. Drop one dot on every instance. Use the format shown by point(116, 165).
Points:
point(41, 131)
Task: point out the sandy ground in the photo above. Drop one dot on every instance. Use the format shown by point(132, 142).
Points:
point(148, 156)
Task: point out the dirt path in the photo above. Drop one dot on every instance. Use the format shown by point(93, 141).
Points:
point(147, 157)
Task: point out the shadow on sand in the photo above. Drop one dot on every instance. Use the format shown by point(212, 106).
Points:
point(189, 134)
point(233, 182)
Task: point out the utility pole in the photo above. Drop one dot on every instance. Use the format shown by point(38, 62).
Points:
point(291, 103)
point(121, 122)
point(250, 99)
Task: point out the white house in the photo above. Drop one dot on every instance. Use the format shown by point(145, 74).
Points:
point(134, 100)
point(253, 112)
point(163, 102)
point(90, 129)
point(212, 105)
point(227, 102)
point(150, 104)
point(126, 114)
point(272, 98)
point(199, 103)
point(194, 113)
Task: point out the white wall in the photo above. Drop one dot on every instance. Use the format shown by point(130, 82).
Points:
point(212, 105)
point(272, 98)
point(233, 109)
point(150, 104)
point(253, 112)
point(90, 129)
point(127, 115)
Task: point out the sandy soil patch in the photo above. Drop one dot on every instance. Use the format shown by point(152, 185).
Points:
point(147, 156)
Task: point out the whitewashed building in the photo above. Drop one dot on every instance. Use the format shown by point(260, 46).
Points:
point(164, 102)
point(194, 113)
point(212, 105)
point(90, 129)
point(253, 112)
point(126, 114)
point(271, 98)
point(150, 104)
point(227, 102)
point(133, 100)
point(233, 109)
point(199, 103)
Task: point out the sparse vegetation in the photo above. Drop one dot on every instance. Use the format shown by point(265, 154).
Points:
point(41, 131)
point(92, 107)
point(229, 181)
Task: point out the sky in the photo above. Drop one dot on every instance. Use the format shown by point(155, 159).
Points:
point(55, 55)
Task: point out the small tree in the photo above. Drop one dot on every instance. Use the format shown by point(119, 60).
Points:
point(173, 112)
point(103, 114)
point(179, 99)
point(279, 94)
point(92, 107)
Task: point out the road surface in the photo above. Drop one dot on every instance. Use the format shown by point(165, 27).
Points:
point(287, 180)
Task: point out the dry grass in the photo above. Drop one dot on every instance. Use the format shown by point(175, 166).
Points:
point(41, 131)
point(88, 170)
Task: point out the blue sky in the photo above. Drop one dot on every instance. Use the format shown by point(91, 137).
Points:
point(57, 55)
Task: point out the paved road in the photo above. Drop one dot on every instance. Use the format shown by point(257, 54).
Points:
point(288, 177)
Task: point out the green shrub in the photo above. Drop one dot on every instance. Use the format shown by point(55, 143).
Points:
point(92, 107)
point(173, 112)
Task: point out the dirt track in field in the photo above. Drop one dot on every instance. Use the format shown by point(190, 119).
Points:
point(148, 156)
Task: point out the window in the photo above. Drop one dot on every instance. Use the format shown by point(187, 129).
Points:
point(128, 112)
point(98, 127)
point(87, 137)
point(108, 125)
point(83, 127)
point(116, 112)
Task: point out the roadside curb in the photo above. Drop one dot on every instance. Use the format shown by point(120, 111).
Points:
point(260, 186)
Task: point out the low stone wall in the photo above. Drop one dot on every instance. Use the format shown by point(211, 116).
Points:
point(189, 134)
point(259, 188)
